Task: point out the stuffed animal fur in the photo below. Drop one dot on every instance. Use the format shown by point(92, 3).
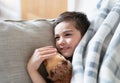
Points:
point(59, 69)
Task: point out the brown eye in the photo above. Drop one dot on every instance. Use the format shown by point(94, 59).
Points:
point(57, 38)
point(68, 34)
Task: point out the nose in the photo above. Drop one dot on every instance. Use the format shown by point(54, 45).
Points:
point(61, 41)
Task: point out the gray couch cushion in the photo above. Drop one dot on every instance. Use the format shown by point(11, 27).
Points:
point(18, 40)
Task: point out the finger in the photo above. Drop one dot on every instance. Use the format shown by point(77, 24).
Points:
point(44, 48)
point(48, 51)
point(45, 52)
point(48, 55)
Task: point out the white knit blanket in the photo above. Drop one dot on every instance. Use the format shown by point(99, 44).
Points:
point(97, 57)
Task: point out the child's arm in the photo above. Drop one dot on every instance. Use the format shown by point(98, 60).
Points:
point(35, 76)
point(36, 60)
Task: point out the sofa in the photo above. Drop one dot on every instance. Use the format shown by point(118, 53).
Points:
point(18, 40)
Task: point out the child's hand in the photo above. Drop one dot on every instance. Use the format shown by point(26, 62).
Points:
point(39, 56)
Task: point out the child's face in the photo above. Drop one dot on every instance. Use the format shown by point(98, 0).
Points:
point(67, 38)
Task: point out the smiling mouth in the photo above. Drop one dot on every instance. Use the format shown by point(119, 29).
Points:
point(64, 49)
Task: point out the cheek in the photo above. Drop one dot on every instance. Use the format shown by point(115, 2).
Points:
point(75, 42)
point(72, 42)
point(57, 45)
point(69, 40)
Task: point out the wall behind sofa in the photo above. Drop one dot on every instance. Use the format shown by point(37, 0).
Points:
point(86, 6)
point(10, 9)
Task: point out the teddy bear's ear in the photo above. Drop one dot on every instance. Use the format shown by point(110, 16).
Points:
point(64, 62)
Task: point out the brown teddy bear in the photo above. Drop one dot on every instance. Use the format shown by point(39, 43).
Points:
point(59, 69)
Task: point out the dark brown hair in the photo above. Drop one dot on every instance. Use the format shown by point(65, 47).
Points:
point(79, 19)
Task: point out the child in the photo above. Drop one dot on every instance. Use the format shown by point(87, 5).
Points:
point(69, 28)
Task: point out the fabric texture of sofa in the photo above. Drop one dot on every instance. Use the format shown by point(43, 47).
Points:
point(18, 40)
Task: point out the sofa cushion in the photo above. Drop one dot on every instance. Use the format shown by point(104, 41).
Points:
point(18, 40)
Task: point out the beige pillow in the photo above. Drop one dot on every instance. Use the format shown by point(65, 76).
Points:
point(18, 40)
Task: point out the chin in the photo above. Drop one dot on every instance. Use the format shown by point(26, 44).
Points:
point(67, 55)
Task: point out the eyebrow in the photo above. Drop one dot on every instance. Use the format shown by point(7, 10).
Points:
point(65, 31)
point(68, 30)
